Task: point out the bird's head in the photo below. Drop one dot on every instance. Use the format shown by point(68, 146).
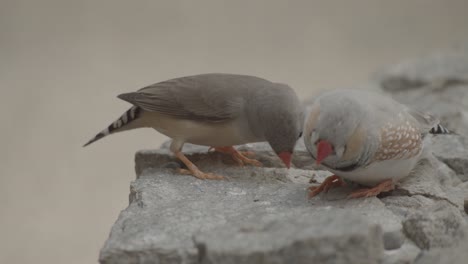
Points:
point(283, 141)
point(329, 130)
point(326, 149)
point(284, 125)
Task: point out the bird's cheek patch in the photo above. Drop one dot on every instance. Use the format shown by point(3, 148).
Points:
point(312, 120)
point(354, 144)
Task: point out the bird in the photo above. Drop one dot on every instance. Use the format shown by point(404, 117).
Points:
point(367, 138)
point(218, 110)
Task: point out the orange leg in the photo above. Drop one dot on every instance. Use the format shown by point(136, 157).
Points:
point(330, 182)
point(239, 156)
point(194, 171)
point(384, 186)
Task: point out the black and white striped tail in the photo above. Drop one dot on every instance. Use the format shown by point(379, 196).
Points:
point(439, 129)
point(130, 115)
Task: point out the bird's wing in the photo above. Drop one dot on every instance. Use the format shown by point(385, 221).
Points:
point(402, 138)
point(201, 98)
point(400, 141)
point(425, 120)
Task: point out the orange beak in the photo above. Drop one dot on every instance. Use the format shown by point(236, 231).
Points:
point(324, 149)
point(285, 156)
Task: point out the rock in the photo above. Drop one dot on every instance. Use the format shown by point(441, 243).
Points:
point(438, 226)
point(326, 237)
point(426, 180)
point(466, 206)
point(404, 205)
point(429, 183)
point(445, 175)
point(415, 74)
point(405, 254)
point(393, 240)
point(457, 254)
point(166, 210)
point(437, 84)
point(423, 180)
point(453, 151)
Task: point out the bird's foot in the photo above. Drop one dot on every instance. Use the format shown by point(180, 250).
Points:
point(384, 186)
point(201, 175)
point(239, 156)
point(247, 153)
point(194, 171)
point(330, 182)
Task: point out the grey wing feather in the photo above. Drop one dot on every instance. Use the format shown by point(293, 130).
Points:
point(187, 98)
point(427, 121)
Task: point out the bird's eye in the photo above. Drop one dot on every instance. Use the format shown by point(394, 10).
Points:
point(300, 134)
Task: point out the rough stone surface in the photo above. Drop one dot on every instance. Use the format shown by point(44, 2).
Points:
point(263, 215)
point(440, 225)
point(301, 237)
point(457, 254)
point(167, 209)
point(174, 218)
point(429, 179)
point(453, 151)
point(393, 240)
point(405, 254)
point(437, 84)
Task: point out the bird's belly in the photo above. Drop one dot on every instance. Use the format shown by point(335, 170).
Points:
point(217, 135)
point(380, 171)
point(203, 133)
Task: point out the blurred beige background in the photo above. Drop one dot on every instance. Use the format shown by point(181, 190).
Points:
point(63, 62)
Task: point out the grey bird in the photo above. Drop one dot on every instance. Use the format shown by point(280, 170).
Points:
point(216, 110)
point(366, 138)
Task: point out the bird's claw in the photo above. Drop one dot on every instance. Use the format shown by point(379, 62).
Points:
point(247, 153)
point(330, 182)
point(239, 156)
point(384, 186)
point(242, 160)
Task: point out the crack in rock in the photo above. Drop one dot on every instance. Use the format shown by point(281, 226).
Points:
point(427, 195)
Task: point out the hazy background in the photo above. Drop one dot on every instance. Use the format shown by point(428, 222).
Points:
point(63, 62)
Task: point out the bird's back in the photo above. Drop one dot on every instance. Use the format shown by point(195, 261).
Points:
point(213, 97)
point(377, 110)
point(204, 85)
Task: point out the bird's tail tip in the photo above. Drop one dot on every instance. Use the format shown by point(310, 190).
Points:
point(439, 129)
point(94, 139)
point(118, 125)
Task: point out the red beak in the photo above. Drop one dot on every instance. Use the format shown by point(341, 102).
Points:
point(285, 156)
point(324, 149)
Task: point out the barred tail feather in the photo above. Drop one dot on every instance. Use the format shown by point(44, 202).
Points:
point(439, 129)
point(127, 117)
